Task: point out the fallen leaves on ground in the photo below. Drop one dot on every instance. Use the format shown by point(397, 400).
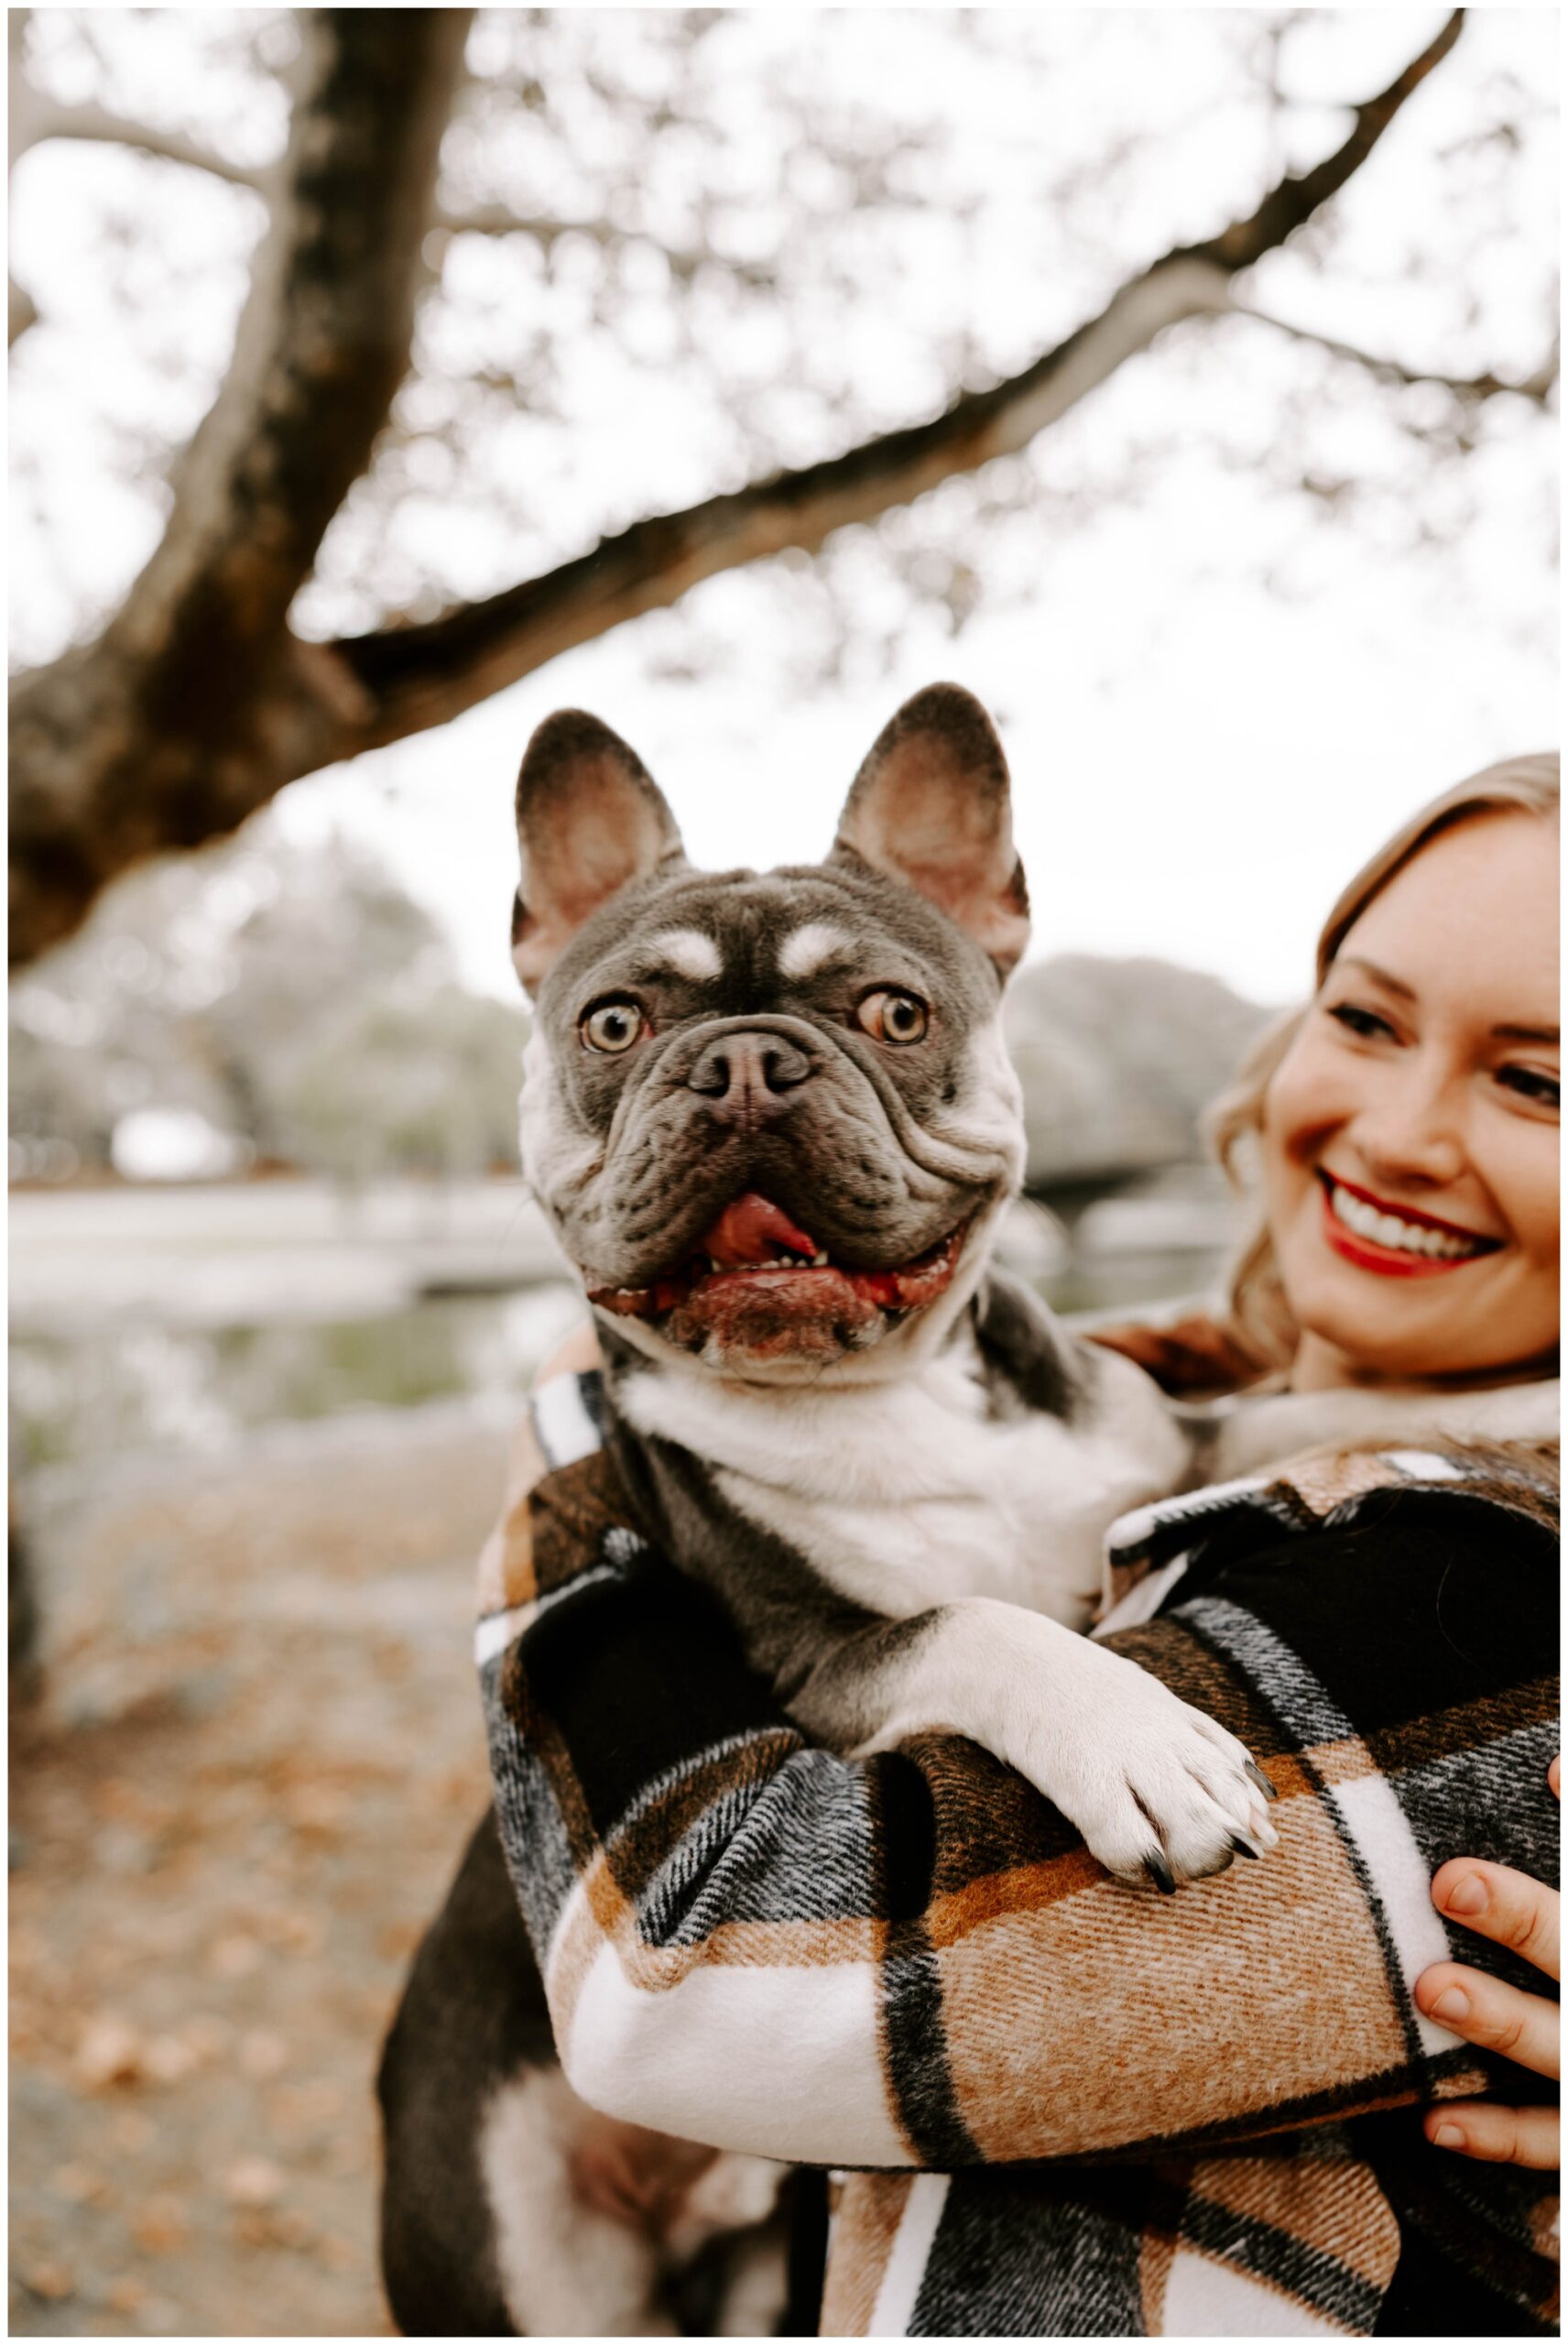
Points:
point(232, 1820)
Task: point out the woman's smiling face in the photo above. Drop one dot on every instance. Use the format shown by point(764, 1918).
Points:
point(1409, 1134)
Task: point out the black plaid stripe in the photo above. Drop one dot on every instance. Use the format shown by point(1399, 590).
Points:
point(1030, 2256)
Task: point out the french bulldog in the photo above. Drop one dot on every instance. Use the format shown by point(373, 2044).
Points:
point(771, 1120)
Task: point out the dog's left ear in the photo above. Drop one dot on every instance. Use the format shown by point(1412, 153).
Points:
point(931, 806)
point(590, 819)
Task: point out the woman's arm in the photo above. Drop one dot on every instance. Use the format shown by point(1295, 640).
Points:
point(910, 1960)
point(1512, 1911)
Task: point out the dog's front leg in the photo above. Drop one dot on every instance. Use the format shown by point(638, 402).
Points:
point(1154, 1787)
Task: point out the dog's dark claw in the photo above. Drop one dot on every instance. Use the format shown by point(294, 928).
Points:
point(1261, 1779)
point(1243, 1848)
point(1157, 1868)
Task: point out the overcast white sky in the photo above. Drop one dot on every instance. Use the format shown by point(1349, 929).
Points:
point(1199, 762)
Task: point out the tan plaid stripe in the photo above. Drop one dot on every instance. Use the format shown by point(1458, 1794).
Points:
point(1334, 2205)
point(864, 2228)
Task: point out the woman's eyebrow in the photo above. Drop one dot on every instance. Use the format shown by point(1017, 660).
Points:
point(1547, 1034)
point(1550, 1036)
point(1357, 961)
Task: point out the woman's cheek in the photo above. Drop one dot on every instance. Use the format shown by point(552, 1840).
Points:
point(1526, 1190)
point(1300, 1109)
point(1533, 1199)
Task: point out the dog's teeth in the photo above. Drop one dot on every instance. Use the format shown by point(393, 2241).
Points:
point(820, 1262)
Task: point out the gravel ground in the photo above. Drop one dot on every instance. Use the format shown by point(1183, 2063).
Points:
point(238, 1800)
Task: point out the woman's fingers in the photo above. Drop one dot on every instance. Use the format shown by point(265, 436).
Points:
point(1489, 2012)
point(1503, 1905)
point(1521, 1913)
point(1479, 2129)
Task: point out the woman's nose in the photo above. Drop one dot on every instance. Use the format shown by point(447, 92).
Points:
point(1413, 1129)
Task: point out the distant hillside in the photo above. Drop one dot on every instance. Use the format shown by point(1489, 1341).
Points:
point(1119, 1058)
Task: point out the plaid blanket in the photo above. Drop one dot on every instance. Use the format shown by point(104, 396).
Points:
point(1078, 2108)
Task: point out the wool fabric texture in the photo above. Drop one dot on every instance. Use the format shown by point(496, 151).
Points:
point(1056, 2105)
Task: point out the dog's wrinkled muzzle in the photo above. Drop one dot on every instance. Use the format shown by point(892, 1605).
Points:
point(758, 1284)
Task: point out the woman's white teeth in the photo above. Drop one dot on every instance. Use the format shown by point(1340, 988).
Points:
point(1401, 1236)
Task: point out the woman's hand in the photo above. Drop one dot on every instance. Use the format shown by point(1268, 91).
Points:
point(1513, 1911)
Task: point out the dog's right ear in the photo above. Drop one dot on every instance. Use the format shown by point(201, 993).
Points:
point(590, 819)
point(932, 806)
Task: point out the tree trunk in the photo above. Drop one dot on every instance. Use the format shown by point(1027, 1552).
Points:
point(197, 703)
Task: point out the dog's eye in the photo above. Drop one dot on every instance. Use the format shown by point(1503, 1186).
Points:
point(613, 1026)
point(889, 1016)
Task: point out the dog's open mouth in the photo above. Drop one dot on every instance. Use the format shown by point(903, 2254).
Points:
point(763, 1283)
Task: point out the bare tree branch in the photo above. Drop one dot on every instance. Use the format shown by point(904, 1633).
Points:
point(1299, 195)
point(497, 220)
point(33, 118)
point(423, 675)
point(183, 715)
point(198, 705)
point(46, 119)
point(1538, 385)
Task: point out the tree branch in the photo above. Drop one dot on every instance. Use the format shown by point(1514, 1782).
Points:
point(185, 714)
point(197, 704)
point(33, 118)
point(423, 675)
point(496, 219)
point(413, 677)
point(46, 119)
point(1474, 388)
point(1299, 195)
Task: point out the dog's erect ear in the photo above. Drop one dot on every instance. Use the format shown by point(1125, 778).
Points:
point(590, 818)
point(931, 806)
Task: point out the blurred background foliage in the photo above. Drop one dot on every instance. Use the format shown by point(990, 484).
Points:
point(261, 1005)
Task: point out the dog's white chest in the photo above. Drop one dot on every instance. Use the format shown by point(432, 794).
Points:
point(909, 1494)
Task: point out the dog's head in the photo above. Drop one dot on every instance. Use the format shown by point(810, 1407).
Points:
point(770, 1116)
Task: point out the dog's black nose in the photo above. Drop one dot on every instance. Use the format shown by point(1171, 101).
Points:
point(748, 1074)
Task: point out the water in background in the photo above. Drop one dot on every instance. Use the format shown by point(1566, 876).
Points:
point(182, 1319)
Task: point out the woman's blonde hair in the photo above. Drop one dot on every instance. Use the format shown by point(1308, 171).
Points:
point(1260, 1314)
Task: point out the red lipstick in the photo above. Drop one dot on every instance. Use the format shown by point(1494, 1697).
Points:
point(1390, 1261)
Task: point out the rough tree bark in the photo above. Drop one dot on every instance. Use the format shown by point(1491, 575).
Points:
point(198, 704)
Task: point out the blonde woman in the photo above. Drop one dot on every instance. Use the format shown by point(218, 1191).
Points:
point(1073, 2108)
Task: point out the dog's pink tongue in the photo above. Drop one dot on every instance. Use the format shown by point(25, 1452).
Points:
point(753, 1229)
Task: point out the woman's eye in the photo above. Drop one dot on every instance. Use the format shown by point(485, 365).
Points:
point(1364, 1023)
point(1532, 1082)
point(612, 1026)
point(891, 1017)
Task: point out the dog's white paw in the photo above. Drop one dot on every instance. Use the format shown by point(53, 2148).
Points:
point(1158, 1791)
